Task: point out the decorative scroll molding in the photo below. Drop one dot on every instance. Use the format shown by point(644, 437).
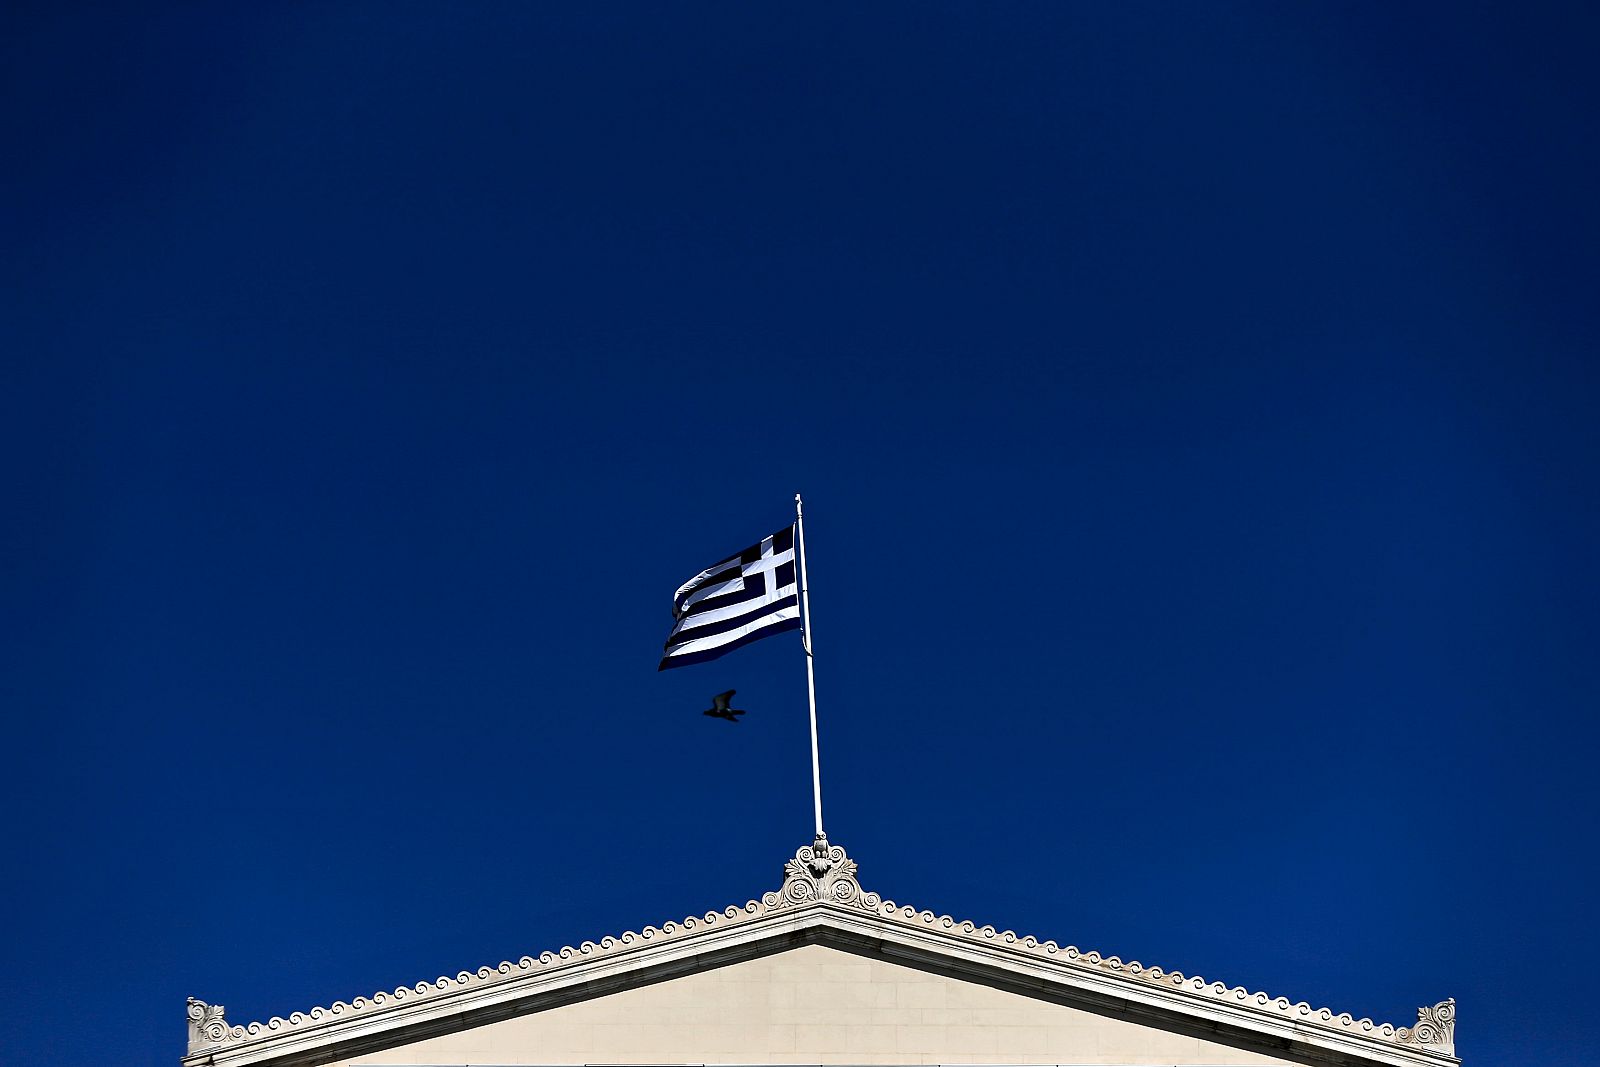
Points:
point(821, 876)
point(820, 871)
point(207, 1027)
point(1436, 1028)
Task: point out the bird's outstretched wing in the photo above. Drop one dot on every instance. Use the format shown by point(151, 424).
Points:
point(720, 701)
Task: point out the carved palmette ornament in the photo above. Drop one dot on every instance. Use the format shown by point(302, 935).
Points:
point(1436, 1028)
point(820, 871)
point(207, 1027)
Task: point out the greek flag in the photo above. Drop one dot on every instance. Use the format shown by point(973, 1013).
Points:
point(738, 600)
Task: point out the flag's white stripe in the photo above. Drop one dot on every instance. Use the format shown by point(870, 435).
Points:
point(728, 611)
point(768, 562)
point(701, 644)
point(730, 565)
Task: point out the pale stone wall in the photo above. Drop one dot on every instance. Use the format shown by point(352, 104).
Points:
point(814, 1005)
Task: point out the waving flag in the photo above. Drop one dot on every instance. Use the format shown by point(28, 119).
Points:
point(741, 599)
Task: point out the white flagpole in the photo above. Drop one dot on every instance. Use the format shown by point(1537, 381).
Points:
point(811, 679)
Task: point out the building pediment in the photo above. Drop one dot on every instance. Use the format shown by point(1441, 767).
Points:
point(821, 903)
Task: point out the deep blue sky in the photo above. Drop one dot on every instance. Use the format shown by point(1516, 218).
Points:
point(1195, 406)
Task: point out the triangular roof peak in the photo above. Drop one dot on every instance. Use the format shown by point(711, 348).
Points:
point(821, 901)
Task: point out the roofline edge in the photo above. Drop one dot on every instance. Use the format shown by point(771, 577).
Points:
point(819, 885)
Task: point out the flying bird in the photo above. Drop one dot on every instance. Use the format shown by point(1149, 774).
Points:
point(719, 707)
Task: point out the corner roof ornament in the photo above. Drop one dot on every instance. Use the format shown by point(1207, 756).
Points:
point(207, 1027)
point(1435, 1029)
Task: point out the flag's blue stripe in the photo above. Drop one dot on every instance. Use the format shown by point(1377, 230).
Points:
point(706, 655)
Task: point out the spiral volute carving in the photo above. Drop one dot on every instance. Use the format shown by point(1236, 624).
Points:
point(207, 1027)
point(1436, 1027)
point(820, 872)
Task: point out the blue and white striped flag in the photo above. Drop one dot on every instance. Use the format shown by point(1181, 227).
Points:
point(743, 598)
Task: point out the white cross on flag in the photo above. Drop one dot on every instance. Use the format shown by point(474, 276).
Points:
point(745, 597)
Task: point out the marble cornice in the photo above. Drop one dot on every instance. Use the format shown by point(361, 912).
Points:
point(820, 900)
